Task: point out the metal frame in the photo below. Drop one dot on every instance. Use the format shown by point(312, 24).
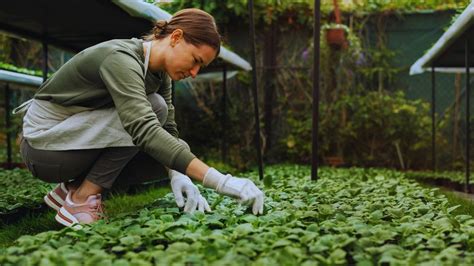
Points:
point(433, 118)
point(316, 83)
point(254, 89)
point(224, 114)
point(316, 88)
point(45, 61)
point(9, 162)
point(7, 126)
point(467, 61)
point(468, 105)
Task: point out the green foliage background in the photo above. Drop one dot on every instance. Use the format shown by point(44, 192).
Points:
point(345, 111)
point(364, 116)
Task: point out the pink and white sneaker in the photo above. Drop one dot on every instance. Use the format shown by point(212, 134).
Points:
point(73, 214)
point(55, 198)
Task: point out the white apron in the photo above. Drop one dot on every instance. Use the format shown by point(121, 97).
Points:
point(49, 126)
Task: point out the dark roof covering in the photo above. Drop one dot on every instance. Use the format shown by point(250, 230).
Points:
point(70, 24)
point(77, 24)
point(448, 53)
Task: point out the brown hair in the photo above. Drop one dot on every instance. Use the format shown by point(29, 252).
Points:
point(199, 28)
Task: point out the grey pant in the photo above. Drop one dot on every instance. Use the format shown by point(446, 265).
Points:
point(104, 167)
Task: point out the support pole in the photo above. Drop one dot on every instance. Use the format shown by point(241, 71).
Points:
point(8, 127)
point(224, 114)
point(433, 119)
point(468, 108)
point(45, 61)
point(254, 89)
point(269, 60)
point(316, 83)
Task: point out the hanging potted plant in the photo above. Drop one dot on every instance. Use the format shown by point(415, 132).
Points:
point(336, 37)
point(335, 33)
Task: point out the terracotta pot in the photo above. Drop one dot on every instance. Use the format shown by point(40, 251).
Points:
point(334, 161)
point(336, 38)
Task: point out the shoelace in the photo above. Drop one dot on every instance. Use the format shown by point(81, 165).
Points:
point(98, 211)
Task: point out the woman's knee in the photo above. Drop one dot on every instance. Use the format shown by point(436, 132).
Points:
point(159, 106)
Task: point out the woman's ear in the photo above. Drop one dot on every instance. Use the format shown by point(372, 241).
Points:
point(176, 36)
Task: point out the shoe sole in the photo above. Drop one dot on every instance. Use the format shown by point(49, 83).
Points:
point(53, 201)
point(65, 218)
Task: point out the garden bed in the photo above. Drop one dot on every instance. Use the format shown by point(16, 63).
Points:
point(20, 192)
point(349, 216)
point(451, 180)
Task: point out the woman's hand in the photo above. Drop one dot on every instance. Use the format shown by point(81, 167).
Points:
point(181, 184)
point(241, 188)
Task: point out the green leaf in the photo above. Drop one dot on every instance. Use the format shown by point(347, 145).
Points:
point(244, 229)
point(268, 181)
point(443, 225)
point(167, 218)
point(436, 243)
point(130, 240)
point(282, 243)
point(338, 256)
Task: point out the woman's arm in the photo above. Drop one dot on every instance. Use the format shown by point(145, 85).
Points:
point(123, 76)
point(197, 169)
point(165, 92)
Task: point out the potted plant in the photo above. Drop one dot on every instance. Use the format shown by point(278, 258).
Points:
point(335, 34)
point(336, 37)
point(334, 161)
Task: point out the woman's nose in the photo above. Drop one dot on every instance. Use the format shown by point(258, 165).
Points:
point(194, 71)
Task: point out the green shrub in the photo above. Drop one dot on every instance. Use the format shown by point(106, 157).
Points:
point(365, 130)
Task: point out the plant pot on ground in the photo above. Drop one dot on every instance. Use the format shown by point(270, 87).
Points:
point(334, 161)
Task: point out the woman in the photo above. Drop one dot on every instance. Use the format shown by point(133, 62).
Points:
point(106, 118)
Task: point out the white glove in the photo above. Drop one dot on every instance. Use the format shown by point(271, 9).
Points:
point(182, 184)
point(241, 188)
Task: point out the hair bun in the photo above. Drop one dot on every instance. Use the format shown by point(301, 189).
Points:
point(161, 25)
point(160, 28)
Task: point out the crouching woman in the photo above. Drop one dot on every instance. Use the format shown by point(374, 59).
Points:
point(106, 118)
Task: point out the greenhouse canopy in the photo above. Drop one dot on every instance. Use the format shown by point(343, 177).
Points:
point(453, 53)
point(151, 12)
point(448, 53)
point(75, 25)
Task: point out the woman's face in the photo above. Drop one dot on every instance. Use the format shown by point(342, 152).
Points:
point(184, 59)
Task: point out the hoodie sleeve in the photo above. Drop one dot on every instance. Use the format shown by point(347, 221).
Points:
point(122, 75)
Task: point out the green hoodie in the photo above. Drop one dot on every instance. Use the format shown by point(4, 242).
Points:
point(112, 74)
